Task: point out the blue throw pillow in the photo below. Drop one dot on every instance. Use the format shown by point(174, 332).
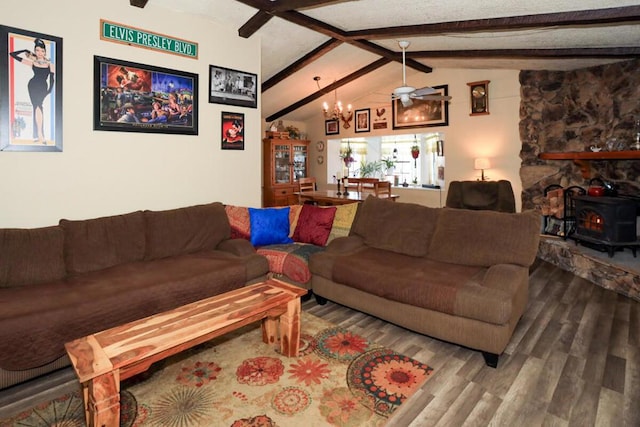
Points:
point(269, 226)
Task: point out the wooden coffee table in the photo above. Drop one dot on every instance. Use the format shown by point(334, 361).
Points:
point(103, 359)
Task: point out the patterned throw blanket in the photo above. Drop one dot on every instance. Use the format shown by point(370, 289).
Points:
point(291, 259)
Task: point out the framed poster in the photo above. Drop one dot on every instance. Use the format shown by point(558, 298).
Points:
point(331, 127)
point(232, 131)
point(133, 97)
point(363, 120)
point(422, 113)
point(30, 91)
point(233, 87)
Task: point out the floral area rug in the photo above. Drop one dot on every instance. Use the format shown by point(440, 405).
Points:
point(338, 379)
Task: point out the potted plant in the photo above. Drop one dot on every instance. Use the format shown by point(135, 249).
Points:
point(389, 165)
point(369, 169)
point(415, 151)
point(347, 156)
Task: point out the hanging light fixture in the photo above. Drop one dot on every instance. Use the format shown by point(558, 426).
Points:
point(336, 113)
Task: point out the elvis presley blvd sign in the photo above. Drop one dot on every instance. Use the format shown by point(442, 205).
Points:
point(119, 33)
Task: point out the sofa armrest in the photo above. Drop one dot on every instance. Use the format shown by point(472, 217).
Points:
point(239, 247)
point(346, 244)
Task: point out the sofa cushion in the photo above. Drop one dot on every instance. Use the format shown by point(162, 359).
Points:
point(405, 228)
point(34, 334)
point(290, 260)
point(241, 223)
point(98, 243)
point(31, 256)
point(314, 225)
point(185, 230)
point(342, 222)
point(471, 237)
point(448, 288)
point(269, 226)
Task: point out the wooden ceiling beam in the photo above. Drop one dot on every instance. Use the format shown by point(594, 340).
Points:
point(266, 9)
point(574, 18)
point(301, 63)
point(333, 32)
point(329, 88)
point(618, 52)
point(138, 3)
point(254, 24)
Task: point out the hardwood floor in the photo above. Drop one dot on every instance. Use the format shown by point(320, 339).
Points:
point(574, 360)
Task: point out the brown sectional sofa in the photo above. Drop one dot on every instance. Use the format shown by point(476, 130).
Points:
point(63, 282)
point(453, 274)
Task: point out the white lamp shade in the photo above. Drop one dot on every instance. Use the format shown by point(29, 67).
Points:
point(482, 163)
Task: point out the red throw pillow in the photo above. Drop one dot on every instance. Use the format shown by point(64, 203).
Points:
point(314, 225)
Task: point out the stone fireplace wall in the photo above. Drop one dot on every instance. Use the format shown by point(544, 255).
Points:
point(563, 111)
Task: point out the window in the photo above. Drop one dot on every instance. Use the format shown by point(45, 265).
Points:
point(373, 157)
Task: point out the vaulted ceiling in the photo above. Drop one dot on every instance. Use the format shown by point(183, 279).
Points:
point(352, 45)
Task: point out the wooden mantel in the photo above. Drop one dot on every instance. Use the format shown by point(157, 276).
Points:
point(582, 158)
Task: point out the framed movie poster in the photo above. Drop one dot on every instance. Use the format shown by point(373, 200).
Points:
point(232, 87)
point(30, 91)
point(232, 131)
point(422, 113)
point(133, 97)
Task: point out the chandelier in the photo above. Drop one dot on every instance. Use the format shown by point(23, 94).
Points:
point(337, 112)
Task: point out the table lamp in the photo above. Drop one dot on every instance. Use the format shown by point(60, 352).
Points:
point(481, 164)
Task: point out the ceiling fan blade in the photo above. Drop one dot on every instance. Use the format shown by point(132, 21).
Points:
point(406, 101)
point(425, 91)
point(433, 97)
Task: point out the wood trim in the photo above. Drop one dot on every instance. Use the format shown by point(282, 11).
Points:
point(592, 155)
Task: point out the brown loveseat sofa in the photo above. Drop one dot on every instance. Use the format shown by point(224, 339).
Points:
point(453, 274)
point(63, 282)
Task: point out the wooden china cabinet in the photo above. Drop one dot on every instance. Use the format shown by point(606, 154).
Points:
point(284, 161)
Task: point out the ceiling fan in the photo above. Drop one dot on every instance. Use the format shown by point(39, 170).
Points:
point(406, 93)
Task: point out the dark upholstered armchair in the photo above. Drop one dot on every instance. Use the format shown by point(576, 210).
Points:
point(481, 195)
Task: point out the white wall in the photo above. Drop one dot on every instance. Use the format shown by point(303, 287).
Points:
point(104, 173)
point(466, 137)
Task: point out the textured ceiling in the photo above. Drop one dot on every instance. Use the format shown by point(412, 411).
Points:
point(284, 42)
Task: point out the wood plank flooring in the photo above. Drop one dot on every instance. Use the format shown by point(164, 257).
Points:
point(573, 360)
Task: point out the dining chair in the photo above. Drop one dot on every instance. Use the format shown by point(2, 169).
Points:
point(362, 184)
point(382, 188)
point(306, 184)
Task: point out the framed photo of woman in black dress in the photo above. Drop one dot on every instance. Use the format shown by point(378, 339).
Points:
point(31, 89)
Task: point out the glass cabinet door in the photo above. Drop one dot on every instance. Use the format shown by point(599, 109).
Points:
point(282, 164)
point(299, 161)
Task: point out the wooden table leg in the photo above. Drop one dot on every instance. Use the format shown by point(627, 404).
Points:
point(270, 330)
point(290, 329)
point(103, 400)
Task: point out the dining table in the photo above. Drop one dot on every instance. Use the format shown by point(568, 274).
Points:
point(333, 197)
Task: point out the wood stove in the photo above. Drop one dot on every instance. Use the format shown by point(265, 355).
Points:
point(607, 223)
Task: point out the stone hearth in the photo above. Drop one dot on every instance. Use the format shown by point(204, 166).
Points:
point(569, 111)
point(620, 273)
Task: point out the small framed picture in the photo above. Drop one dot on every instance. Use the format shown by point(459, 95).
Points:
point(232, 87)
point(363, 120)
point(232, 131)
point(331, 127)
